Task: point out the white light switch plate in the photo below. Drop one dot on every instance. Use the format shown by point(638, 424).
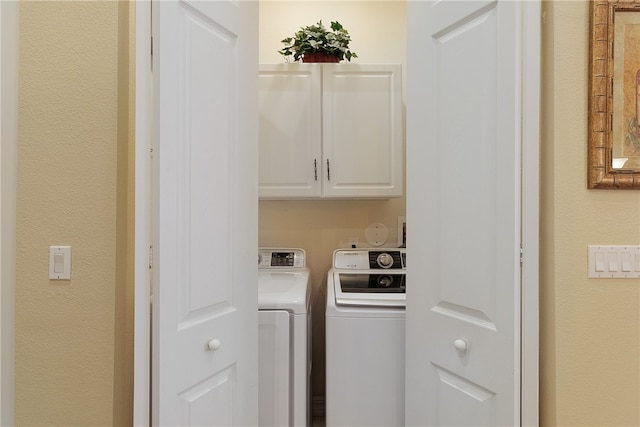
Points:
point(60, 262)
point(614, 262)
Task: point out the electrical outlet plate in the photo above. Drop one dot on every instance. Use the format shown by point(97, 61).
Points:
point(614, 262)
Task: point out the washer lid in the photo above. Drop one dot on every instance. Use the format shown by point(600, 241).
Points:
point(284, 290)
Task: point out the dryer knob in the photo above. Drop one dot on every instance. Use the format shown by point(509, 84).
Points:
point(385, 281)
point(385, 260)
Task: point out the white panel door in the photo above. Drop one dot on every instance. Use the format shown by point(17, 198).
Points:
point(464, 169)
point(290, 131)
point(362, 130)
point(205, 340)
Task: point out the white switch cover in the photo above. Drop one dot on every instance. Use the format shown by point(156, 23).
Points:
point(614, 262)
point(60, 262)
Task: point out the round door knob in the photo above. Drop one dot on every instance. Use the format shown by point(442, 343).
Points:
point(213, 345)
point(460, 345)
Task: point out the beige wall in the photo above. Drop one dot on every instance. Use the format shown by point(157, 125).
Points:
point(321, 226)
point(72, 183)
point(590, 328)
point(124, 270)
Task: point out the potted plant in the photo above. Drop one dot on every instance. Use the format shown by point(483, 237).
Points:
point(316, 43)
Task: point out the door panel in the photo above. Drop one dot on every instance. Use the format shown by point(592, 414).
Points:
point(362, 130)
point(202, 143)
point(205, 322)
point(463, 200)
point(455, 392)
point(466, 119)
point(213, 395)
point(290, 130)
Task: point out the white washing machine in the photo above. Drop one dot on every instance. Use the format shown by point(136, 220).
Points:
point(365, 326)
point(284, 349)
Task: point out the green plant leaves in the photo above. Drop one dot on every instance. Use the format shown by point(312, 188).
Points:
point(317, 38)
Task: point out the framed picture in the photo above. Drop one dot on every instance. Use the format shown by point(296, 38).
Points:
point(402, 232)
point(614, 98)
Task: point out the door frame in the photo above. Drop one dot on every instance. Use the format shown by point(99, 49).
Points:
point(529, 322)
point(142, 252)
point(530, 220)
point(8, 161)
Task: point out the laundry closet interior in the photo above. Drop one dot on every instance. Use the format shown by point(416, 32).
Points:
point(321, 225)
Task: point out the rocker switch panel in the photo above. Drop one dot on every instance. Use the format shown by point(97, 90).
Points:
point(614, 261)
point(60, 262)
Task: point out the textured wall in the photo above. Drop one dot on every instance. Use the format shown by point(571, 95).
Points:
point(378, 33)
point(68, 104)
point(125, 232)
point(590, 328)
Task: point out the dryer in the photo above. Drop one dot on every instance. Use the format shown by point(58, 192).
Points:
point(284, 348)
point(365, 344)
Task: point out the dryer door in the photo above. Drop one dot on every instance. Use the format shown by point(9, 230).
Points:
point(274, 367)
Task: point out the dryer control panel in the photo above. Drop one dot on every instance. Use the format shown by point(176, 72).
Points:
point(281, 258)
point(370, 259)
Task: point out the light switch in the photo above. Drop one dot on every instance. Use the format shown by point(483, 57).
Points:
point(60, 262)
point(599, 262)
point(614, 261)
point(626, 261)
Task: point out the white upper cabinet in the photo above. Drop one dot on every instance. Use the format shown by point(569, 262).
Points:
point(290, 130)
point(330, 130)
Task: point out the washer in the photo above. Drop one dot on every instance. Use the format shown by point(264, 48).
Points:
point(365, 326)
point(284, 349)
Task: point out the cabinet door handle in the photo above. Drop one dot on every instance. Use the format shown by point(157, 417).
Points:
point(315, 169)
point(328, 171)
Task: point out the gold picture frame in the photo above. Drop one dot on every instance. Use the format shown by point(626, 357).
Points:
point(614, 95)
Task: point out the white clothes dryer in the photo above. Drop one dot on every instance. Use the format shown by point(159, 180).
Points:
point(365, 344)
point(284, 348)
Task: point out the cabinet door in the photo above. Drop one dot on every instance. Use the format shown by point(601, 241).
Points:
point(362, 130)
point(290, 131)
